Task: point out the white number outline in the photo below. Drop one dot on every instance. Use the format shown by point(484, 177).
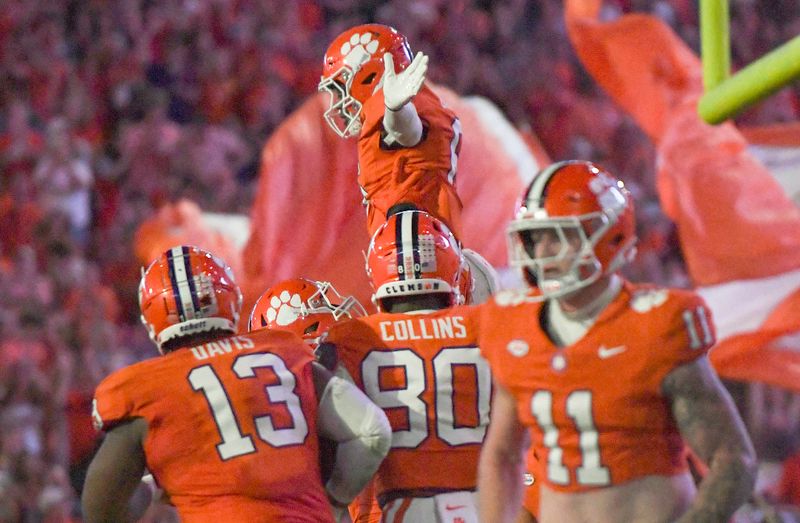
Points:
point(591, 471)
point(443, 364)
point(691, 319)
point(233, 443)
point(410, 396)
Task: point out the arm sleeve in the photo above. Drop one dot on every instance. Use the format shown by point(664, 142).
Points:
point(112, 405)
point(362, 432)
point(403, 126)
point(689, 331)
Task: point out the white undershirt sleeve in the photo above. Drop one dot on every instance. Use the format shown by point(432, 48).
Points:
point(363, 434)
point(403, 126)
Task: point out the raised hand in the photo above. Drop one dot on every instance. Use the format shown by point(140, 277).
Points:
point(398, 89)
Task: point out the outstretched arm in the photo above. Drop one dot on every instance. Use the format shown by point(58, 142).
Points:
point(502, 463)
point(711, 426)
point(400, 119)
point(115, 475)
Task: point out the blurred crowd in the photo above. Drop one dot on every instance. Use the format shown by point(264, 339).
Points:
point(111, 108)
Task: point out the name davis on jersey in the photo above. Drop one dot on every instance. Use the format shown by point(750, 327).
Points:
point(222, 346)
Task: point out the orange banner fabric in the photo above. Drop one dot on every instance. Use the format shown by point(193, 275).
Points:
point(734, 220)
point(181, 223)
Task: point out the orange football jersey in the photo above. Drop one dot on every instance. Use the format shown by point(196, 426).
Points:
point(423, 175)
point(426, 372)
point(595, 408)
point(231, 427)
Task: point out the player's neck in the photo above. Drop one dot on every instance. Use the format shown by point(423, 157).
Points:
point(418, 303)
point(590, 301)
point(182, 342)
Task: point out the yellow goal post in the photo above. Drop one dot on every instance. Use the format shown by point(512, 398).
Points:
point(727, 95)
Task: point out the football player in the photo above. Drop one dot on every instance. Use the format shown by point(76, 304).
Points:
point(307, 308)
point(611, 378)
point(408, 142)
point(418, 360)
point(227, 425)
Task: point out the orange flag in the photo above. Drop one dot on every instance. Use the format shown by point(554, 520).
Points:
point(182, 223)
point(734, 220)
point(770, 354)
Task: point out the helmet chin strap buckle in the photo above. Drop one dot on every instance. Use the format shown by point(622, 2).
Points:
point(353, 129)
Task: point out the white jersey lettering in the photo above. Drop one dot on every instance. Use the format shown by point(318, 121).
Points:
point(423, 329)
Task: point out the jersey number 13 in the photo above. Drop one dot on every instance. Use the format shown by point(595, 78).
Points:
point(204, 379)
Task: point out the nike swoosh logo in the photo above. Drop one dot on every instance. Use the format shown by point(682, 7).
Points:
point(604, 352)
point(454, 507)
